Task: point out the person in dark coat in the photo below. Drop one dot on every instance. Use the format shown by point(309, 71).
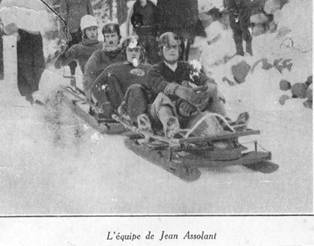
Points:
point(174, 79)
point(239, 16)
point(180, 17)
point(30, 63)
point(168, 90)
point(144, 21)
point(112, 84)
point(1, 50)
point(82, 51)
point(72, 11)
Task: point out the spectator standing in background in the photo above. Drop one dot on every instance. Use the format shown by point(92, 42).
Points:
point(30, 59)
point(144, 21)
point(102, 58)
point(83, 50)
point(180, 17)
point(72, 11)
point(1, 50)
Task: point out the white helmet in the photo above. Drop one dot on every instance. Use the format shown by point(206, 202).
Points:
point(88, 21)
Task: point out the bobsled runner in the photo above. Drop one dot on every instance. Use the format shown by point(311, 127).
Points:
point(184, 154)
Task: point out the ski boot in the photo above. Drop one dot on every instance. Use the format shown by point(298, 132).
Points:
point(172, 127)
point(122, 112)
point(143, 123)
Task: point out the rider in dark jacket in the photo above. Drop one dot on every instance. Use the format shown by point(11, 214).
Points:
point(82, 51)
point(111, 85)
point(100, 59)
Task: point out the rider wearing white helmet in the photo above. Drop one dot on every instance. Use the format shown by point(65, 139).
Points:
point(83, 50)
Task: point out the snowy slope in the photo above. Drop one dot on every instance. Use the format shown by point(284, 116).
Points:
point(271, 47)
point(51, 162)
point(205, 5)
point(28, 16)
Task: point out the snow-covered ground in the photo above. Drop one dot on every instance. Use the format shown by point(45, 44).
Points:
point(68, 168)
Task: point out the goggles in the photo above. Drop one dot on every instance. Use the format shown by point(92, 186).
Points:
point(170, 47)
point(135, 49)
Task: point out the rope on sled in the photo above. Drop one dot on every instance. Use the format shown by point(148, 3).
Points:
point(259, 145)
point(255, 143)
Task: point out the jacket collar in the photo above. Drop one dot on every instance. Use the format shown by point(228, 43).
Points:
point(89, 42)
point(172, 67)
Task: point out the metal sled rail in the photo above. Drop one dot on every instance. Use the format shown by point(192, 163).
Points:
point(219, 137)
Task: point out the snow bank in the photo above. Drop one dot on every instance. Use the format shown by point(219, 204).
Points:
point(36, 5)
point(32, 20)
point(32, 17)
point(261, 89)
point(296, 15)
point(205, 5)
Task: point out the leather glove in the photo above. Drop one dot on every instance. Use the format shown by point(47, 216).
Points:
point(187, 94)
point(203, 95)
point(198, 96)
point(185, 109)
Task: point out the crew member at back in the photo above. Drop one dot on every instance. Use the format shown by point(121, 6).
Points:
point(82, 51)
point(110, 53)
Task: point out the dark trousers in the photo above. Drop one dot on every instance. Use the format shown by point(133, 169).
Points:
point(185, 49)
point(1, 58)
point(107, 96)
point(134, 98)
point(30, 62)
point(240, 29)
point(136, 101)
point(76, 38)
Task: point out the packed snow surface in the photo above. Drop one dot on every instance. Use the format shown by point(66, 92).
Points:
point(53, 163)
point(28, 15)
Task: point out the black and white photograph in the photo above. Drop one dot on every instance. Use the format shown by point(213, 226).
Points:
point(156, 107)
